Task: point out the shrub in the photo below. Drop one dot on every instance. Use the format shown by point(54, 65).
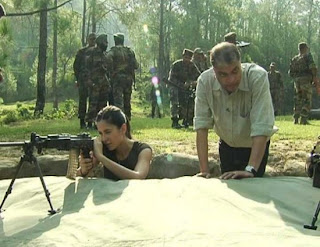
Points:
point(10, 117)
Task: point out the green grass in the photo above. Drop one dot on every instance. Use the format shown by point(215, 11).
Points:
point(157, 132)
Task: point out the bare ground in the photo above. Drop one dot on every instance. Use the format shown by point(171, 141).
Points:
point(285, 158)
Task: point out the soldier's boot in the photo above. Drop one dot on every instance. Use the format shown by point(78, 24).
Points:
point(304, 121)
point(153, 109)
point(296, 120)
point(82, 124)
point(175, 123)
point(89, 125)
point(185, 123)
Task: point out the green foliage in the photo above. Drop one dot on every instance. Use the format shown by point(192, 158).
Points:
point(68, 111)
point(10, 117)
point(25, 112)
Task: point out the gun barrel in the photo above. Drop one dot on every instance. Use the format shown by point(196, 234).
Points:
point(12, 144)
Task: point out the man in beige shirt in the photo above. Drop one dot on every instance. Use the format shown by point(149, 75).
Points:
point(235, 99)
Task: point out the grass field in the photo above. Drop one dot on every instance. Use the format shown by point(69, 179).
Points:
point(157, 132)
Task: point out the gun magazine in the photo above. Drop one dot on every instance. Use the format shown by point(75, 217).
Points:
point(73, 163)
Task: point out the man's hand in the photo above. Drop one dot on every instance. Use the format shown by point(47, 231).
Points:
point(236, 174)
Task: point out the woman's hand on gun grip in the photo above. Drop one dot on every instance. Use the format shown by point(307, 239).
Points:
point(86, 164)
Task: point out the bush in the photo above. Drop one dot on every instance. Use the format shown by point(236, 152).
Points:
point(25, 112)
point(10, 117)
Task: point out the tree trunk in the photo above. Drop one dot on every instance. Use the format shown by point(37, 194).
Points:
point(310, 22)
point(83, 37)
point(55, 57)
point(93, 16)
point(42, 59)
point(161, 42)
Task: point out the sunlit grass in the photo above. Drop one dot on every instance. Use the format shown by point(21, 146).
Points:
point(157, 132)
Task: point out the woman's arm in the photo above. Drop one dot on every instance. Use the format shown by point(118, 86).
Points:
point(140, 172)
point(86, 165)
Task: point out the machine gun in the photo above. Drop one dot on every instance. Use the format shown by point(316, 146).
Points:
point(71, 143)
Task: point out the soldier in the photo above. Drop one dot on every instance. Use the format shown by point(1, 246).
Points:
point(81, 74)
point(276, 89)
point(304, 72)
point(232, 38)
point(1, 76)
point(155, 94)
point(124, 64)
point(98, 68)
point(183, 75)
point(199, 60)
point(2, 11)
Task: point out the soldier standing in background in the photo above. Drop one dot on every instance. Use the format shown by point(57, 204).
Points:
point(1, 76)
point(304, 73)
point(81, 74)
point(123, 64)
point(276, 89)
point(99, 68)
point(199, 60)
point(183, 75)
point(232, 38)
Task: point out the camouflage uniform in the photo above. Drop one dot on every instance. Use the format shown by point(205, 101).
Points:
point(154, 101)
point(99, 68)
point(81, 74)
point(199, 60)
point(276, 90)
point(301, 71)
point(182, 74)
point(1, 76)
point(123, 64)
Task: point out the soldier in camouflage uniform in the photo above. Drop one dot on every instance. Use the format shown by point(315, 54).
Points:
point(304, 73)
point(182, 76)
point(123, 64)
point(199, 60)
point(276, 89)
point(81, 74)
point(99, 68)
point(1, 76)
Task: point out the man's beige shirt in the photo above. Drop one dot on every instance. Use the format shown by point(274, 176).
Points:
point(238, 116)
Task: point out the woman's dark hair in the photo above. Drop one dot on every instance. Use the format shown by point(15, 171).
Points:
point(114, 115)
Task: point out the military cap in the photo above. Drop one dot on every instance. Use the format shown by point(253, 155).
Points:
point(102, 38)
point(302, 45)
point(187, 52)
point(273, 64)
point(230, 37)
point(2, 11)
point(119, 36)
point(92, 35)
point(198, 51)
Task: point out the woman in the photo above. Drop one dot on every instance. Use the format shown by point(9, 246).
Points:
point(121, 157)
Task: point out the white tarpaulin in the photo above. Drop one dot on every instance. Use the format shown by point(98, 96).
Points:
point(186, 211)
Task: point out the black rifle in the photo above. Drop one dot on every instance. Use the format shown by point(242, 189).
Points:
point(72, 143)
